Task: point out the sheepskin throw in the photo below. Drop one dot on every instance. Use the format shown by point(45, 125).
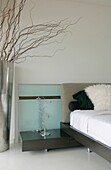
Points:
point(100, 95)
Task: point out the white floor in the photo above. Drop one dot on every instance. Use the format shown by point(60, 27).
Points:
point(60, 159)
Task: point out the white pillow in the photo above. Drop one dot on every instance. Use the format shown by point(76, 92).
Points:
point(100, 95)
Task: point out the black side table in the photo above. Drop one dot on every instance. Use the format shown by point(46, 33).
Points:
point(32, 140)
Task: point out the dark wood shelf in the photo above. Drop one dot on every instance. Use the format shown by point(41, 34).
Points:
point(38, 97)
point(32, 140)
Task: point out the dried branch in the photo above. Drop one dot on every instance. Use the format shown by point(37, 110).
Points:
point(16, 41)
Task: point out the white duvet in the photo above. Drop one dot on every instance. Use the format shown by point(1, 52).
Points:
point(96, 124)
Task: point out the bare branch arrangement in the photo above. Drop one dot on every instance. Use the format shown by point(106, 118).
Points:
point(16, 41)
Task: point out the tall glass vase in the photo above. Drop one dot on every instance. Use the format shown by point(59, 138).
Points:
point(6, 83)
point(43, 115)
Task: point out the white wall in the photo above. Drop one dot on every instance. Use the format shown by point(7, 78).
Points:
point(86, 54)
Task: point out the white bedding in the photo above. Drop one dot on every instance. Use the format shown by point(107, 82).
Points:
point(96, 124)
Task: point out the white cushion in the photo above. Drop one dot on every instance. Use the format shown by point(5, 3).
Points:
point(100, 95)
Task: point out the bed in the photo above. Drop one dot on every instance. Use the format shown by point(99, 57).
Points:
point(89, 127)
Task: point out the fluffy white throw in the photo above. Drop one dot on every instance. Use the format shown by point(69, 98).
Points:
point(100, 95)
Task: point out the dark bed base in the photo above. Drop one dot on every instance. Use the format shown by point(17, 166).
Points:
point(95, 146)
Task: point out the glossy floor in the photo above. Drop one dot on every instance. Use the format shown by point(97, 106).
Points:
point(60, 159)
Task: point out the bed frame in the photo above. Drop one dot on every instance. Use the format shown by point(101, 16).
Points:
point(67, 90)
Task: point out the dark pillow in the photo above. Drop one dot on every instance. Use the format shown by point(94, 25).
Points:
point(83, 100)
point(73, 105)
